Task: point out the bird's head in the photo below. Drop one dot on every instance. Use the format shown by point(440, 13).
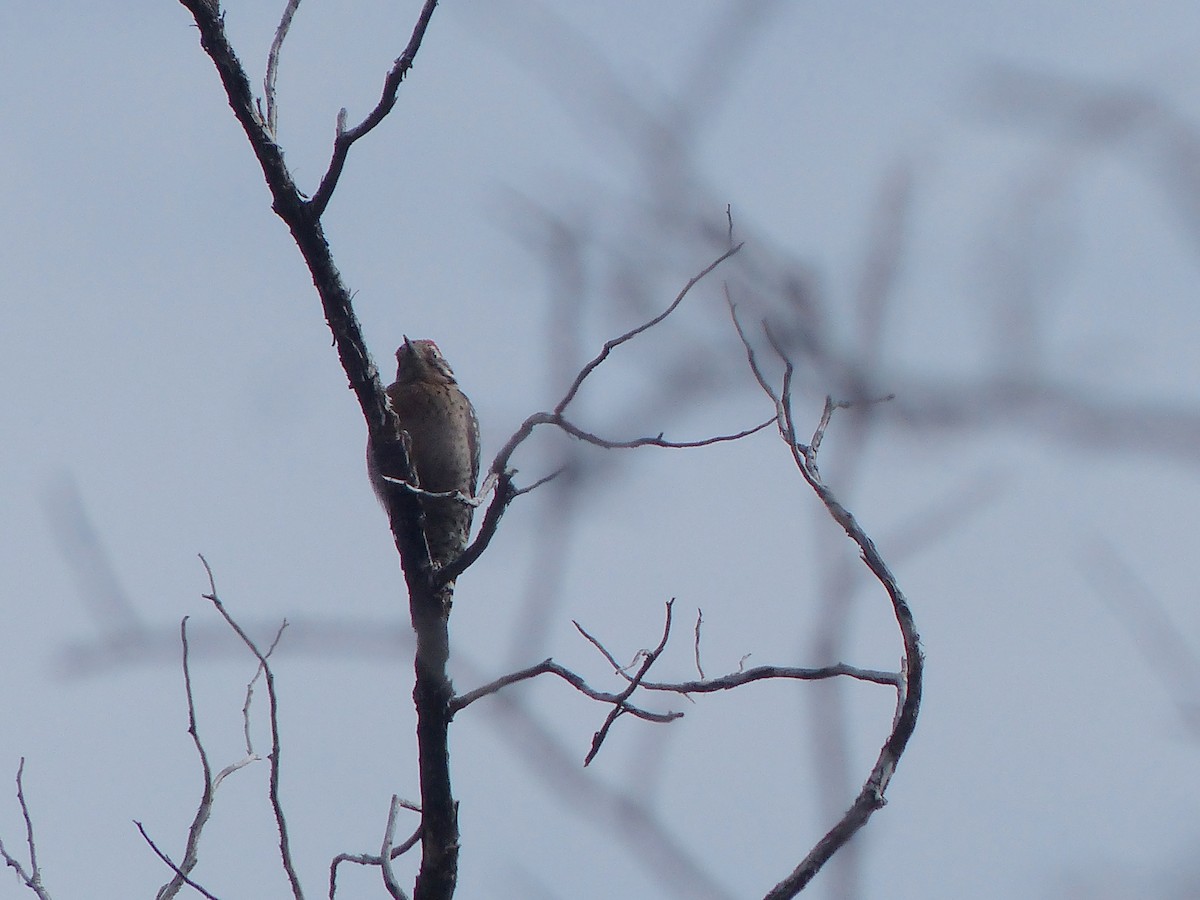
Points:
point(422, 361)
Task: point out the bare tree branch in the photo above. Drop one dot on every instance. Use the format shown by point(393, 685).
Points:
point(204, 808)
point(908, 700)
point(285, 853)
point(506, 492)
point(611, 345)
point(346, 137)
point(178, 872)
point(501, 461)
point(619, 706)
point(745, 676)
point(763, 673)
point(428, 599)
point(271, 116)
point(604, 651)
point(549, 667)
point(32, 879)
point(386, 856)
point(656, 441)
point(545, 479)
point(385, 853)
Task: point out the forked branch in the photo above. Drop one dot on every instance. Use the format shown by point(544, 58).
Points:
point(346, 137)
point(506, 491)
point(619, 706)
point(387, 852)
point(285, 852)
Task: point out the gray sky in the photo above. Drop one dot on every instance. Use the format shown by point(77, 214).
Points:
point(168, 367)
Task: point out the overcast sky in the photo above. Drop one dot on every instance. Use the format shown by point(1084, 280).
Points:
point(549, 179)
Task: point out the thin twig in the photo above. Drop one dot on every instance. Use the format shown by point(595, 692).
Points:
point(29, 840)
point(611, 345)
point(249, 741)
point(505, 493)
point(178, 872)
point(656, 441)
point(204, 808)
point(752, 361)
point(285, 853)
point(699, 621)
point(459, 496)
point(619, 704)
point(559, 421)
point(545, 479)
point(272, 113)
point(250, 754)
point(33, 878)
point(595, 642)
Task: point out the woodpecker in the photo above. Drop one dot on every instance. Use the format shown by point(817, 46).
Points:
point(442, 437)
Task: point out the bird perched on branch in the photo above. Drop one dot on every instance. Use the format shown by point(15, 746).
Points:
point(442, 437)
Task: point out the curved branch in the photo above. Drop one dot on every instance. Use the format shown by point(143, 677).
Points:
point(908, 691)
point(385, 853)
